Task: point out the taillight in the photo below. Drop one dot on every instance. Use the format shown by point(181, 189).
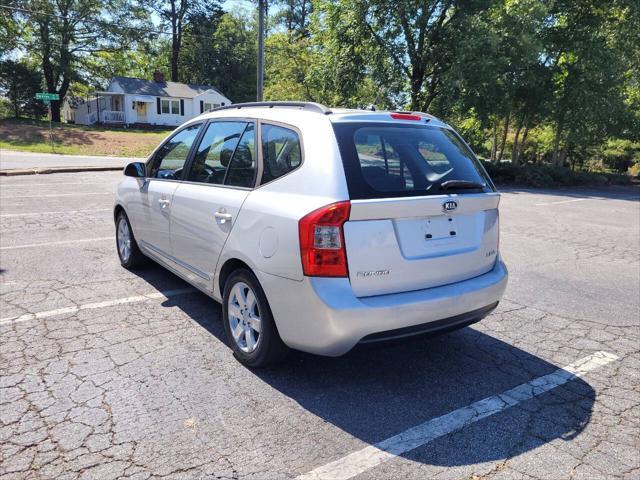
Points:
point(322, 241)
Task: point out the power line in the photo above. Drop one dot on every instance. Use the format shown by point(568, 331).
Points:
point(100, 22)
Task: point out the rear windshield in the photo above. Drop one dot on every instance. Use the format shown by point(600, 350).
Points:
point(383, 160)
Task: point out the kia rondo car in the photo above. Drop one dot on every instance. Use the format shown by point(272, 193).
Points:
point(318, 229)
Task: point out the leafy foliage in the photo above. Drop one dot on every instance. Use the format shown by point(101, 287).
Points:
point(220, 50)
point(529, 83)
point(177, 15)
point(19, 83)
point(62, 34)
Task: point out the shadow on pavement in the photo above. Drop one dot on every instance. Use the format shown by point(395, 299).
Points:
point(378, 390)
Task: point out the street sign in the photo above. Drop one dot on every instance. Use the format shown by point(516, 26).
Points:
point(47, 96)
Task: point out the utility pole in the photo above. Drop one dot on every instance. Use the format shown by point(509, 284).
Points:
point(260, 85)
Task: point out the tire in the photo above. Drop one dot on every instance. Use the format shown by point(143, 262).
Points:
point(244, 309)
point(130, 255)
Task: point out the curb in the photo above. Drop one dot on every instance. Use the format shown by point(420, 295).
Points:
point(44, 170)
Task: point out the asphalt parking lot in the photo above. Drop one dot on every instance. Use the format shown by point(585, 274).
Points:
point(111, 374)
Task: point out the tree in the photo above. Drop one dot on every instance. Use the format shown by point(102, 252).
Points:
point(20, 82)
point(9, 28)
point(176, 14)
point(588, 74)
point(499, 75)
point(62, 34)
point(220, 50)
point(295, 16)
point(140, 62)
point(421, 38)
point(331, 65)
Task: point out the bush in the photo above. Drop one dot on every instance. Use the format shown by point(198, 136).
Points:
point(6, 111)
point(531, 175)
point(619, 154)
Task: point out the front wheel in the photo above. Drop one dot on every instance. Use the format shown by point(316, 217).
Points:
point(248, 323)
point(128, 251)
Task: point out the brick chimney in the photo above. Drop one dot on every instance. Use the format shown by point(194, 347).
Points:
point(158, 76)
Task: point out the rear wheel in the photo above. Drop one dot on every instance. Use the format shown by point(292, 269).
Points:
point(248, 323)
point(128, 251)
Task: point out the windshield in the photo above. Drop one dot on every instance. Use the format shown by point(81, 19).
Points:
point(383, 160)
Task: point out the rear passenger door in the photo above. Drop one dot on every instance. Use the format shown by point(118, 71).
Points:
point(206, 205)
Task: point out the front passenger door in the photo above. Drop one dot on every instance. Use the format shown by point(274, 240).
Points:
point(151, 220)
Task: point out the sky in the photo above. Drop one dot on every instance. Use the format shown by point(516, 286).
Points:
point(242, 4)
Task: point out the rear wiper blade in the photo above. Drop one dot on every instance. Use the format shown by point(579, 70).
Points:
point(451, 184)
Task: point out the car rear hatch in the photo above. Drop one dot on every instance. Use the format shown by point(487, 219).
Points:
point(423, 211)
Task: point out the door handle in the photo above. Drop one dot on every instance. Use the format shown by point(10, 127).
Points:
point(222, 217)
point(164, 203)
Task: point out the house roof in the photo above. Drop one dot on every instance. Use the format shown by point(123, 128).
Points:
point(138, 86)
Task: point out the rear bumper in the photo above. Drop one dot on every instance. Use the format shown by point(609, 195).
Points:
point(323, 316)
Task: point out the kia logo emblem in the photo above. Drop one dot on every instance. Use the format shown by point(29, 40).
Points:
point(449, 205)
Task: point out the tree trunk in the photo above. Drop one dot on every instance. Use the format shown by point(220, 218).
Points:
point(416, 87)
point(514, 148)
point(494, 141)
point(556, 160)
point(562, 157)
point(431, 94)
point(523, 143)
point(14, 100)
point(175, 52)
point(55, 111)
point(176, 37)
point(503, 142)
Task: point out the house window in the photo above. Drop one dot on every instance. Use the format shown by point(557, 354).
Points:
point(170, 106)
point(210, 106)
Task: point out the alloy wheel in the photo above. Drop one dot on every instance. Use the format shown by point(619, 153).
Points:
point(244, 317)
point(124, 239)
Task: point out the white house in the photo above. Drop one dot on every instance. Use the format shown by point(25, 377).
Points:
point(133, 100)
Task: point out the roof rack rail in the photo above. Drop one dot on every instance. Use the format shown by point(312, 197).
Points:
point(311, 106)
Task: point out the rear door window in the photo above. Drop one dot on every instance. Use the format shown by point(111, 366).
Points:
point(242, 169)
point(281, 151)
point(383, 160)
point(214, 153)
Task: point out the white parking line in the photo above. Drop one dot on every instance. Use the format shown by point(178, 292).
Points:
point(61, 242)
point(5, 215)
point(92, 306)
point(632, 197)
point(10, 197)
point(564, 201)
point(373, 455)
point(3, 184)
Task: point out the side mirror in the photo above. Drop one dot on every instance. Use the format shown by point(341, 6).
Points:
point(135, 169)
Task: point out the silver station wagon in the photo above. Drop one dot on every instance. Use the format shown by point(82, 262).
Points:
point(318, 229)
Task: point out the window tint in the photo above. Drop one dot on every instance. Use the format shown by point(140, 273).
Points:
point(387, 161)
point(380, 164)
point(215, 151)
point(243, 163)
point(169, 160)
point(280, 151)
